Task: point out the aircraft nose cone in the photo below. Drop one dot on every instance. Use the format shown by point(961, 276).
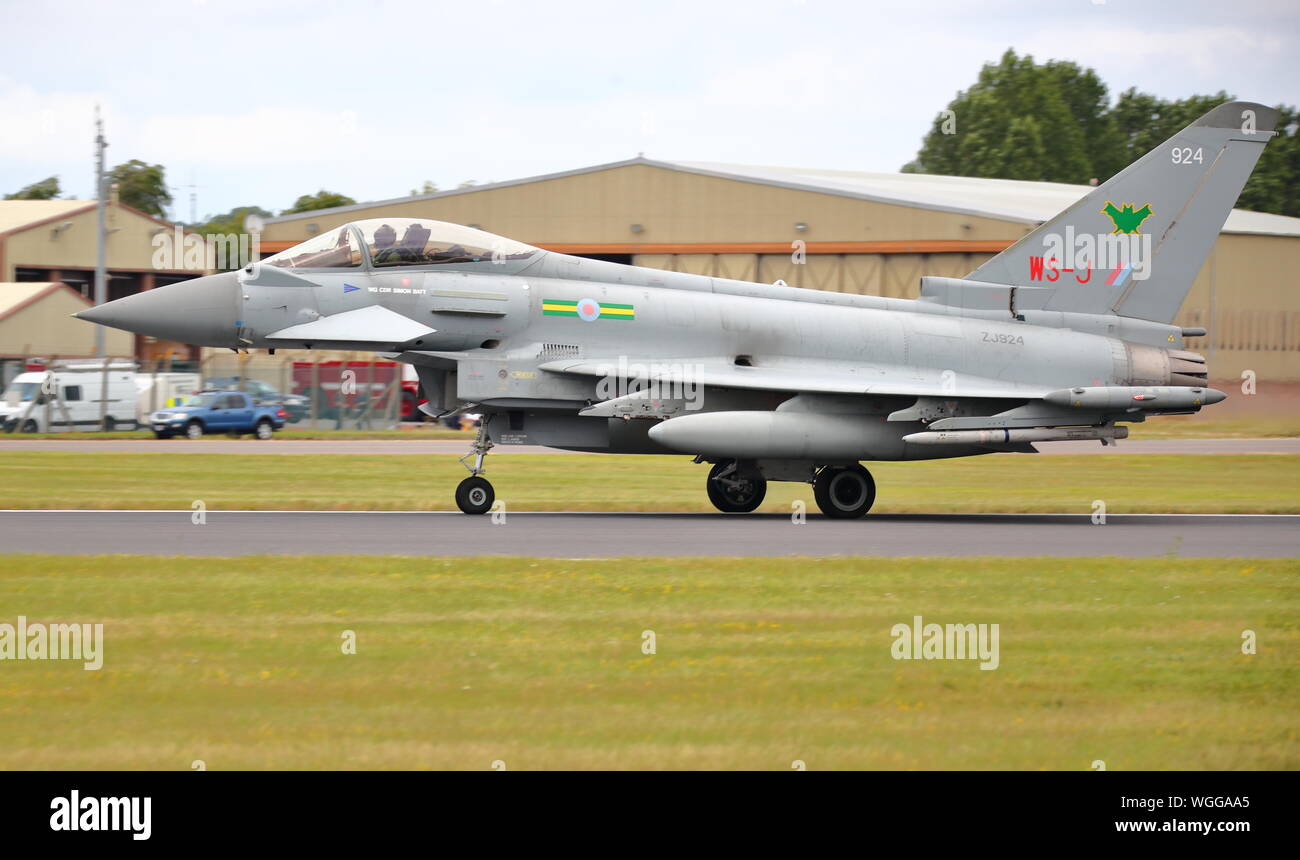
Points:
point(201, 311)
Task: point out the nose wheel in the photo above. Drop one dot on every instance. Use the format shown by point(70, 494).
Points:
point(475, 495)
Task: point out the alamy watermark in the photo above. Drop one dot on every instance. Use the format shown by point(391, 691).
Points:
point(1112, 259)
point(201, 253)
point(38, 641)
point(653, 381)
point(920, 641)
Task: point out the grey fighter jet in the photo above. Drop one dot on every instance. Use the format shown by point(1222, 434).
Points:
point(1065, 335)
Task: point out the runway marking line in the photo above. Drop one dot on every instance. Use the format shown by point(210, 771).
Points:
point(868, 518)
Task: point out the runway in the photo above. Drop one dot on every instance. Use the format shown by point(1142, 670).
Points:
point(461, 447)
point(608, 535)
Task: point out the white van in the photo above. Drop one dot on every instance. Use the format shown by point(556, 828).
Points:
point(79, 390)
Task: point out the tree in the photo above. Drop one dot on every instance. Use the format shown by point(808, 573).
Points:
point(428, 188)
point(1145, 121)
point(1052, 108)
point(1274, 186)
point(320, 200)
point(1053, 122)
point(142, 186)
point(46, 189)
point(229, 222)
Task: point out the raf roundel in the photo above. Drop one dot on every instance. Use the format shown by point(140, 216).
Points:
point(588, 310)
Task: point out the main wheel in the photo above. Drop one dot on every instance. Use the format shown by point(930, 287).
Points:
point(475, 495)
point(30, 426)
point(844, 493)
point(194, 430)
point(110, 425)
point(264, 429)
point(739, 492)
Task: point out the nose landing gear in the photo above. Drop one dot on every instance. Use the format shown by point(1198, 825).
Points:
point(475, 495)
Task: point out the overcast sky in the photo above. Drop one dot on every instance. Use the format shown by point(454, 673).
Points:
point(259, 102)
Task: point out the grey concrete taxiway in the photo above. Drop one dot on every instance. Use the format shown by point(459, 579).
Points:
point(460, 447)
point(601, 535)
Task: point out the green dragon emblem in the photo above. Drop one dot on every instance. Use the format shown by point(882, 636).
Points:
point(1126, 220)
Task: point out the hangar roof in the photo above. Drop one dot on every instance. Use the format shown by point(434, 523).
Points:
point(19, 213)
point(16, 296)
point(1011, 199)
point(1007, 199)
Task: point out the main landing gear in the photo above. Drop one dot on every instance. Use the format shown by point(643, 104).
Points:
point(842, 492)
point(736, 489)
point(475, 495)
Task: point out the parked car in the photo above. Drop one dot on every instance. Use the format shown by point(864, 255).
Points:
point(230, 412)
point(265, 395)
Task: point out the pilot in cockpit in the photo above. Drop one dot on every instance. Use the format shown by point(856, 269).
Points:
point(385, 236)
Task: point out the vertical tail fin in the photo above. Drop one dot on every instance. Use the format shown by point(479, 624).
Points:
point(1134, 245)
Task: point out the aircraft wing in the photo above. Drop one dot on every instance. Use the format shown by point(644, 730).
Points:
point(814, 377)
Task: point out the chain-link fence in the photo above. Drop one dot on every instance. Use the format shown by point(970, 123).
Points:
point(334, 393)
point(361, 393)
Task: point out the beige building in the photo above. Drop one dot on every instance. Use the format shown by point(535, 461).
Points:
point(47, 241)
point(34, 317)
point(871, 233)
point(36, 322)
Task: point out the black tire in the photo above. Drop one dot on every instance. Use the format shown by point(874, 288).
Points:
point(844, 493)
point(30, 426)
point(194, 430)
point(738, 493)
point(475, 495)
point(264, 430)
point(162, 434)
point(109, 424)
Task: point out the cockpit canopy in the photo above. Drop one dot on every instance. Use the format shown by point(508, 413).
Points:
point(391, 242)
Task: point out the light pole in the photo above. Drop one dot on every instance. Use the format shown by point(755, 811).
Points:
point(101, 273)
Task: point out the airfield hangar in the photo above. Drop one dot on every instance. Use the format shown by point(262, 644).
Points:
point(48, 253)
point(871, 233)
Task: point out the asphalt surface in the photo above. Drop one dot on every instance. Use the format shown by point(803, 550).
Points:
point(459, 447)
point(601, 535)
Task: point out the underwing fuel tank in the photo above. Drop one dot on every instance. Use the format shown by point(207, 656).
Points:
point(782, 435)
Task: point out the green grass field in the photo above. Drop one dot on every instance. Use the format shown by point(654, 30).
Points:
point(1248, 483)
point(760, 662)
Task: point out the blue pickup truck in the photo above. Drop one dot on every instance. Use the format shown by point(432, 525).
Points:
point(231, 412)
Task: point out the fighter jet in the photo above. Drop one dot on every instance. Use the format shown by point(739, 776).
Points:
point(1067, 334)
